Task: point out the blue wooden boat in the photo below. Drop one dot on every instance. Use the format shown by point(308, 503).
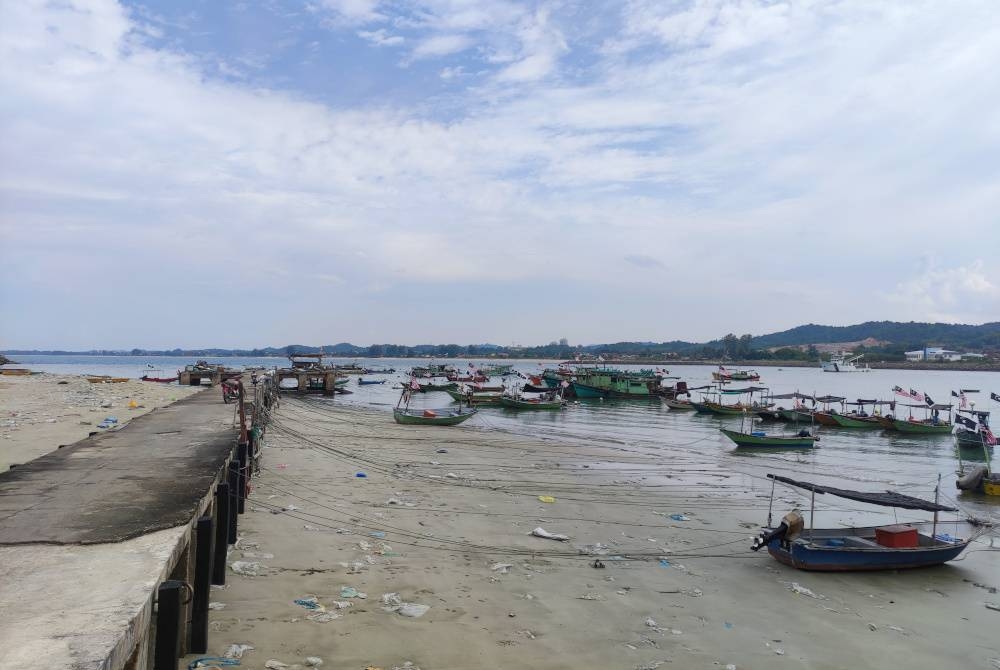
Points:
point(365, 382)
point(893, 547)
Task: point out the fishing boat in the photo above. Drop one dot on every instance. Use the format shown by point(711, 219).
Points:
point(431, 388)
point(495, 370)
point(451, 416)
point(467, 378)
point(351, 369)
point(738, 408)
point(932, 425)
point(891, 547)
point(432, 370)
point(512, 402)
point(609, 383)
point(759, 438)
point(15, 372)
point(860, 418)
point(825, 416)
point(678, 404)
point(369, 382)
point(841, 363)
point(105, 379)
point(974, 432)
point(160, 380)
point(724, 375)
point(476, 398)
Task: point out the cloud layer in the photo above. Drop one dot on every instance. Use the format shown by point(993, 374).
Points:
point(493, 171)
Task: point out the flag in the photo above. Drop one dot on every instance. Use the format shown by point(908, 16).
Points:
point(988, 434)
point(965, 421)
point(917, 395)
point(898, 390)
point(994, 396)
point(414, 385)
point(954, 394)
point(963, 401)
point(928, 400)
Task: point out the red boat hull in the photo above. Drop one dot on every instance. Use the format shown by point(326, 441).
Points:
point(162, 380)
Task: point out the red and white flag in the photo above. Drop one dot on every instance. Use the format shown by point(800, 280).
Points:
point(414, 385)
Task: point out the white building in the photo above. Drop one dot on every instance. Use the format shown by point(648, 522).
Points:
point(933, 354)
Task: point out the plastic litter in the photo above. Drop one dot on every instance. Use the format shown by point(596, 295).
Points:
point(351, 592)
point(237, 650)
point(360, 475)
point(992, 606)
point(680, 517)
point(547, 499)
point(212, 662)
point(442, 451)
point(795, 587)
point(310, 603)
point(541, 532)
point(313, 661)
point(651, 622)
point(664, 563)
point(275, 665)
point(378, 534)
point(323, 617)
point(246, 568)
point(392, 602)
point(413, 610)
point(216, 606)
point(502, 568)
point(451, 475)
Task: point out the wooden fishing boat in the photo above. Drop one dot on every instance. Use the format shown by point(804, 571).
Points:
point(159, 380)
point(15, 372)
point(106, 379)
point(762, 439)
point(770, 415)
point(683, 405)
point(859, 418)
point(609, 383)
point(892, 547)
point(431, 388)
point(429, 417)
point(735, 375)
point(467, 378)
point(476, 399)
point(369, 382)
point(495, 370)
point(974, 431)
point(531, 388)
point(922, 426)
point(530, 403)
point(741, 407)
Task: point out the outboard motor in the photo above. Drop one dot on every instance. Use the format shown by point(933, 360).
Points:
point(790, 527)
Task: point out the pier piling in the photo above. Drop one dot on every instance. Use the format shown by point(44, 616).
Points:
point(204, 546)
point(222, 532)
point(168, 625)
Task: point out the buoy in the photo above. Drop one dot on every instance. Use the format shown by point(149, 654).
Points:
point(132, 404)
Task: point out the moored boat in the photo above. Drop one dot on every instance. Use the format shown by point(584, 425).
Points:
point(842, 363)
point(160, 380)
point(890, 547)
point(432, 417)
point(932, 425)
point(722, 374)
point(683, 405)
point(761, 439)
point(369, 382)
point(511, 402)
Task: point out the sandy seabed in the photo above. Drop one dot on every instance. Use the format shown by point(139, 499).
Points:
point(40, 412)
point(440, 527)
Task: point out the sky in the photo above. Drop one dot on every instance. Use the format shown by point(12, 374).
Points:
point(195, 173)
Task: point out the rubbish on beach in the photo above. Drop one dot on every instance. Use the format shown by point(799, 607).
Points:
point(351, 592)
point(313, 661)
point(590, 596)
point(212, 662)
point(674, 631)
point(378, 534)
point(802, 591)
point(992, 606)
point(442, 451)
point(502, 568)
point(323, 617)
point(360, 475)
point(779, 651)
point(275, 665)
point(679, 517)
point(872, 627)
point(392, 501)
point(728, 625)
point(541, 532)
point(547, 499)
point(246, 568)
point(597, 564)
point(451, 475)
point(730, 666)
point(216, 606)
point(341, 604)
point(310, 603)
point(664, 563)
point(651, 622)
point(392, 602)
point(237, 650)
point(281, 466)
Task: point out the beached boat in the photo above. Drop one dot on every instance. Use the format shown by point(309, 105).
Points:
point(891, 547)
point(159, 380)
point(105, 379)
point(803, 439)
point(841, 363)
point(15, 372)
point(432, 417)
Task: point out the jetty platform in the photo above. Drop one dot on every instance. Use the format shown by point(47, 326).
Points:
point(92, 534)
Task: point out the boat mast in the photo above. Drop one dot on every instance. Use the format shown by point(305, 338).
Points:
point(937, 489)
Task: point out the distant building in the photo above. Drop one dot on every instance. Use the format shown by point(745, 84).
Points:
point(936, 354)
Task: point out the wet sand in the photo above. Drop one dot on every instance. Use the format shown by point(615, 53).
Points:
point(40, 412)
point(438, 529)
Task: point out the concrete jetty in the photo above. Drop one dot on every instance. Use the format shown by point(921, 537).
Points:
point(89, 533)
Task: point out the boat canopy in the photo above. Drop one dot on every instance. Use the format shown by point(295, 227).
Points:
point(926, 406)
point(789, 396)
point(749, 389)
point(830, 398)
point(862, 401)
point(886, 499)
point(976, 412)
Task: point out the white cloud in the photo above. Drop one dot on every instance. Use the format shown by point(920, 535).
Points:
point(440, 45)
point(381, 37)
point(351, 12)
point(963, 294)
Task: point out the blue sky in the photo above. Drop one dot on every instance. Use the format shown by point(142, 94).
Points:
point(470, 171)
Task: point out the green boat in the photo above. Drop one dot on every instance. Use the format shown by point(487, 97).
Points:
point(932, 425)
point(495, 370)
point(522, 403)
point(683, 405)
point(432, 417)
point(761, 439)
point(860, 418)
point(489, 398)
point(430, 388)
point(607, 383)
point(432, 370)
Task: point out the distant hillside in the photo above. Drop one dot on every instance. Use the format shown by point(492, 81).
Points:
point(948, 335)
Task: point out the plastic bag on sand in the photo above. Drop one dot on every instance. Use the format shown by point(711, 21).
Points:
point(351, 592)
point(247, 568)
point(392, 602)
point(313, 661)
point(275, 665)
point(502, 568)
point(541, 532)
point(237, 650)
point(323, 617)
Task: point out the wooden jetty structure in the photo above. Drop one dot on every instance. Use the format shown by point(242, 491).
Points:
point(310, 374)
point(193, 375)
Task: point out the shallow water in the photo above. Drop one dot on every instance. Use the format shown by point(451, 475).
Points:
point(690, 444)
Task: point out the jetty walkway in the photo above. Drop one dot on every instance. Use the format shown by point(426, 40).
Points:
point(108, 546)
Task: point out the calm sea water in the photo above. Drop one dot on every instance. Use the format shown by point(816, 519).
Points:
point(690, 444)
